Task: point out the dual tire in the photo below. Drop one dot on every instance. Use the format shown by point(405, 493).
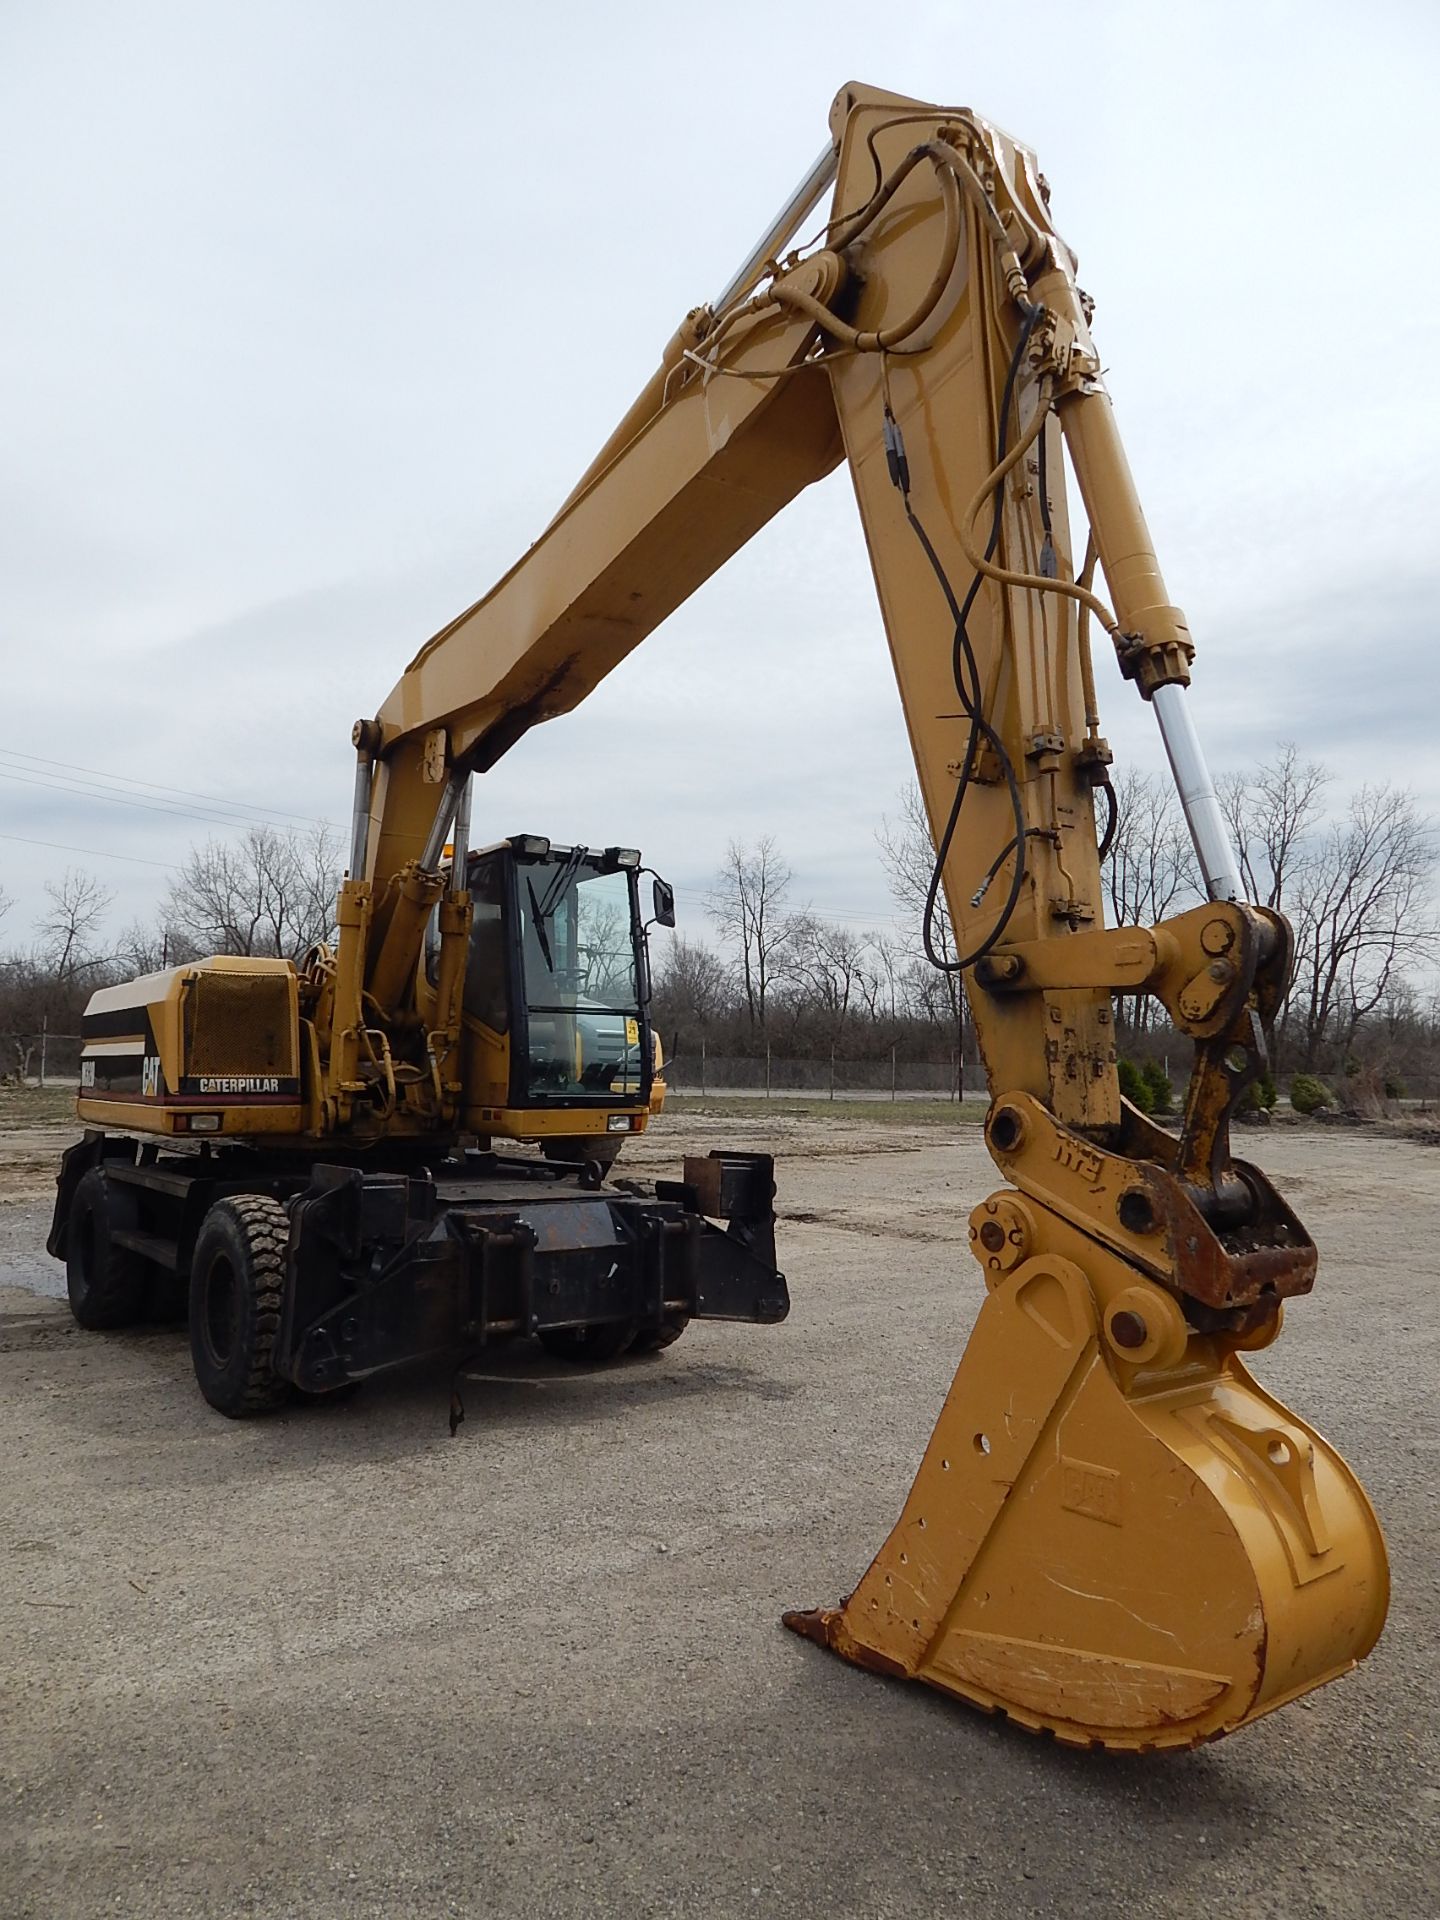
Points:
point(237, 1278)
point(108, 1283)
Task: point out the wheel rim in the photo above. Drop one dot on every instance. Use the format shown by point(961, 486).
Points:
point(221, 1306)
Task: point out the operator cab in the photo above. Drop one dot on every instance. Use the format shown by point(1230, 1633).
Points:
point(557, 984)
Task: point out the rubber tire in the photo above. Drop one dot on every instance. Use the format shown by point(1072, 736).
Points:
point(588, 1346)
point(656, 1339)
point(237, 1281)
point(108, 1285)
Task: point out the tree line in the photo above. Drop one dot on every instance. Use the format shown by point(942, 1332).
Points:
point(269, 892)
point(1356, 879)
point(1355, 876)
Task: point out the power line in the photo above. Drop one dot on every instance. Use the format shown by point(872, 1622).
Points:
point(47, 784)
point(53, 783)
point(94, 853)
point(842, 918)
point(159, 786)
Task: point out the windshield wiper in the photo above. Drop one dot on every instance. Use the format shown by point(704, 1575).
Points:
point(537, 920)
point(563, 876)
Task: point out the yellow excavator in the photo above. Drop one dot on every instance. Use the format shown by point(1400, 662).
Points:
point(1115, 1534)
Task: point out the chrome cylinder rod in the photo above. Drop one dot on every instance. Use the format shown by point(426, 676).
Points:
point(801, 203)
point(460, 839)
point(1219, 868)
point(360, 814)
point(434, 848)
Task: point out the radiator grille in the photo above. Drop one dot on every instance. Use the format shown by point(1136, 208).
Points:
point(239, 1023)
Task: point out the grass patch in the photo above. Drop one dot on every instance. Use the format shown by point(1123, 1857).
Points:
point(36, 1107)
point(879, 1113)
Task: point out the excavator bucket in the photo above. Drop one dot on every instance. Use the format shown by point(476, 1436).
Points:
point(1131, 1549)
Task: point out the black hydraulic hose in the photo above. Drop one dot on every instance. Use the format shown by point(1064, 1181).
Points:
point(963, 665)
point(1112, 805)
point(979, 726)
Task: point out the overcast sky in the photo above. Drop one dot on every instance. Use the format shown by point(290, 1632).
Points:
point(316, 309)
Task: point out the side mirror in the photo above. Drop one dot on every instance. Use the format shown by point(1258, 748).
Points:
point(664, 903)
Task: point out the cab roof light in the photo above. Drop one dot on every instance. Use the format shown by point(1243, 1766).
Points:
point(530, 846)
point(628, 857)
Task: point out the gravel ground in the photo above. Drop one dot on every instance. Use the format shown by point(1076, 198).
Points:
point(337, 1663)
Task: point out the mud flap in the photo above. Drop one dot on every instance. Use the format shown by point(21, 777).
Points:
point(89, 1151)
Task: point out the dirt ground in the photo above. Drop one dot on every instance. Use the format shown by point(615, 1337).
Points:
point(338, 1663)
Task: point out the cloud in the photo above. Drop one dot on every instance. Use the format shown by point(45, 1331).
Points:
point(314, 315)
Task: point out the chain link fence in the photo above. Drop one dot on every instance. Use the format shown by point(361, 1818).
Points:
point(44, 1059)
point(831, 1076)
point(40, 1059)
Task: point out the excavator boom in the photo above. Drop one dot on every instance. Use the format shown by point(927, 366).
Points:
point(1115, 1534)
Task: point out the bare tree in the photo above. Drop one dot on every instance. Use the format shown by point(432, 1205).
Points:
point(693, 980)
point(67, 929)
point(1366, 909)
point(884, 984)
point(831, 968)
point(1149, 871)
point(49, 985)
point(1271, 812)
point(1357, 893)
point(147, 947)
point(908, 854)
point(266, 893)
point(319, 863)
point(693, 992)
point(1150, 868)
point(747, 904)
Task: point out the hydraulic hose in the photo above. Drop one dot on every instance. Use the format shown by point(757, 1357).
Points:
point(1006, 576)
point(883, 339)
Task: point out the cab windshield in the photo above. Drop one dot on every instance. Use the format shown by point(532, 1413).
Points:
point(581, 992)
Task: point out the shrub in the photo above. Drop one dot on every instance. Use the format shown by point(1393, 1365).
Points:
point(1135, 1087)
point(1162, 1093)
point(1261, 1094)
point(1395, 1088)
point(1309, 1095)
